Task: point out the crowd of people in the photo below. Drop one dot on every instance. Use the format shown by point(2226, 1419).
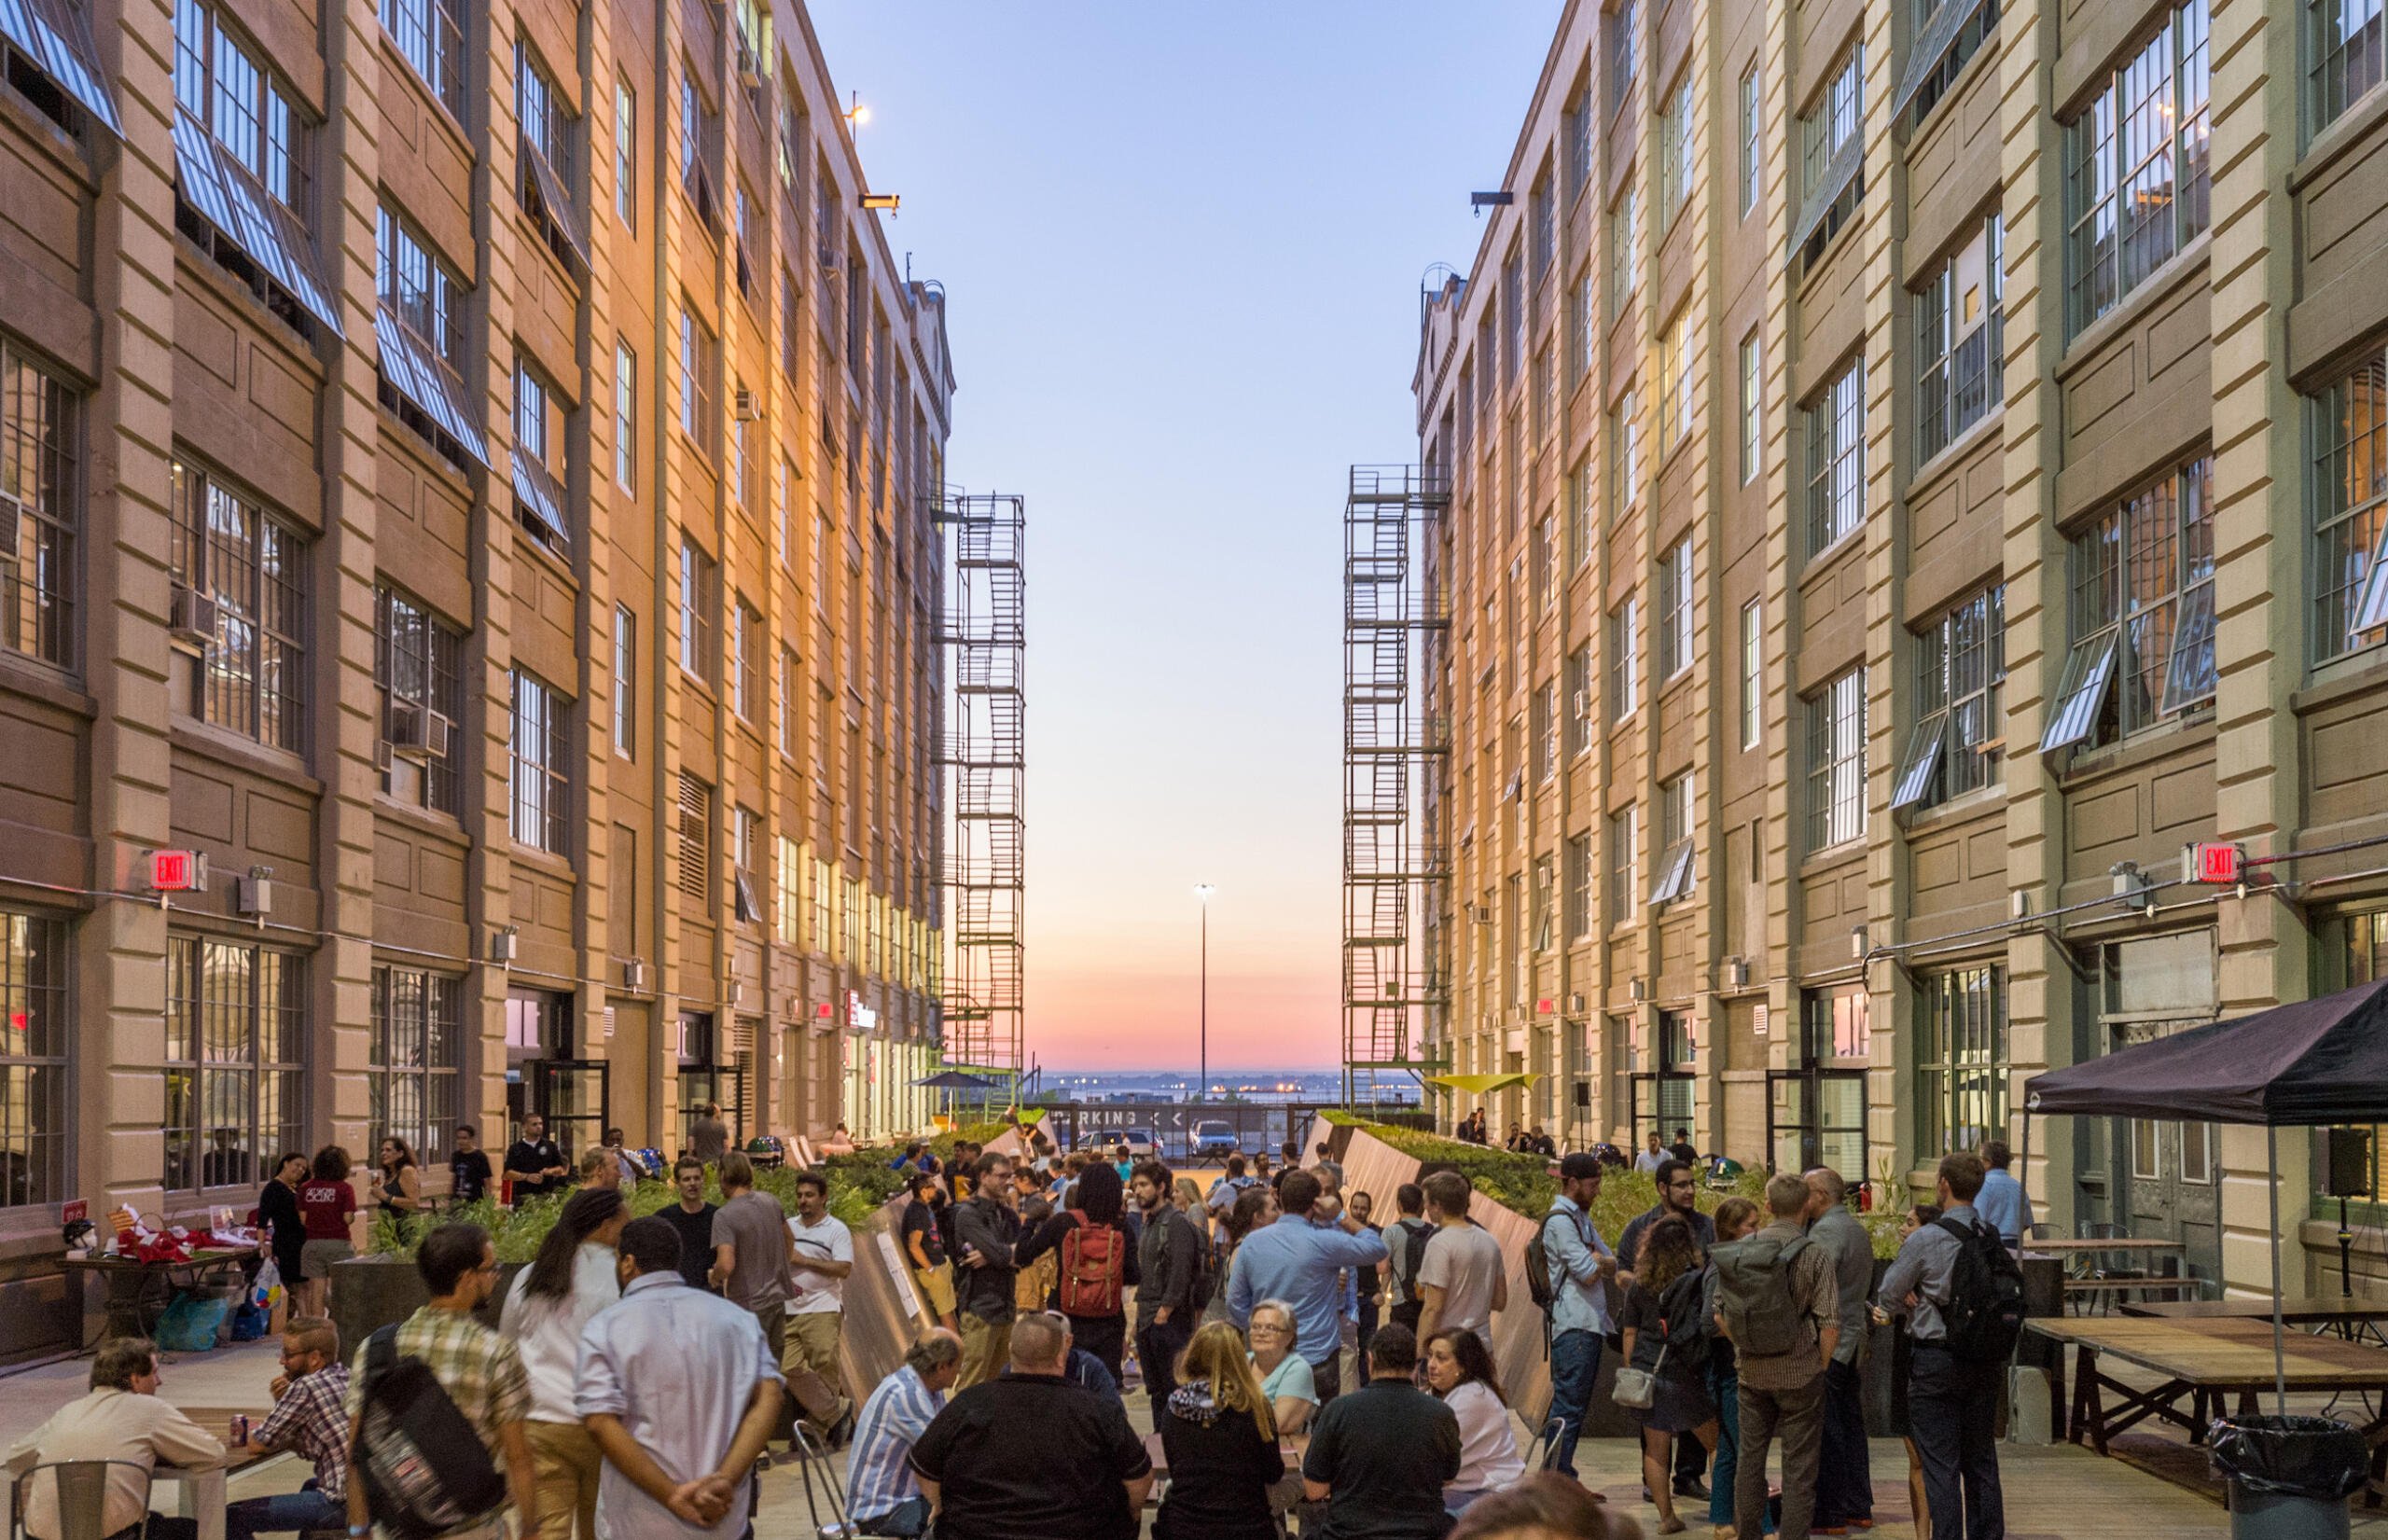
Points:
point(640, 1372)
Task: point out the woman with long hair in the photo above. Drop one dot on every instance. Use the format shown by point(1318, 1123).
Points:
point(327, 1205)
point(549, 1302)
point(1459, 1369)
point(396, 1183)
point(1665, 1294)
point(1737, 1217)
point(1219, 1438)
point(1096, 1268)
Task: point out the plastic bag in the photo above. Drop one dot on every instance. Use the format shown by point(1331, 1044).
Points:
point(2316, 1457)
point(190, 1323)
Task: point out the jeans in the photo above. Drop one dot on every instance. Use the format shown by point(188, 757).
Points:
point(1799, 1415)
point(1158, 1345)
point(1952, 1415)
point(1725, 1389)
point(1846, 1483)
point(304, 1509)
point(908, 1518)
point(1574, 1365)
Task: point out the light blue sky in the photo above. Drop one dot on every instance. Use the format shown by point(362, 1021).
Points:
point(1181, 245)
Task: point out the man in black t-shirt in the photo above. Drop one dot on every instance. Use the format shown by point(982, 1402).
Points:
point(1386, 1483)
point(1683, 1149)
point(692, 1217)
point(534, 1163)
point(469, 1167)
point(924, 1243)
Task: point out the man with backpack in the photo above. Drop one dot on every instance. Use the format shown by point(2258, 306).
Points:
point(435, 1401)
point(1567, 1267)
point(1777, 1301)
point(1963, 1295)
point(1845, 1487)
point(1169, 1258)
point(1405, 1246)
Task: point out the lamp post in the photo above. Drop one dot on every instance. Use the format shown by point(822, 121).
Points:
point(1202, 1087)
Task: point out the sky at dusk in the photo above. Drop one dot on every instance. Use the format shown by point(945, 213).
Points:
point(1182, 248)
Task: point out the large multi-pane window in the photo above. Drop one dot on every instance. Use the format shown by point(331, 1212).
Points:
point(1624, 864)
point(411, 1069)
point(1625, 432)
point(1623, 672)
point(625, 152)
point(746, 660)
point(696, 376)
point(1542, 208)
point(1625, 245)
point(37, 1029)
point(1961, 669)
point(542, 766)
point(418, 287)
point(235, 1040)
point(1579, 701)
point(539, 470)
point(1836, 459)
point(225, 86)
point(698, 592)
point(419, 332)
point(548, 136)
point(625, 682)
point(1837, 761)
point(1672, 879)
point(1960, 324)
point(245, 573)
point(625, 415)
point(1674, 609)
point(430, 36)
point(419, 670)
point(1578, 493)
point(1832, 158)
point(2349, 492)
point(1747, 169)
point(1575, 162)
point(1578, 905)
point(1676, 167)
point(2142, 613)
point(2137, 181)
point(1676, 401)
point(1545, 733)
point(39, 451)
point(1752, 669)
point(1753, 406)
point(2348, 50)
point(1960, 1058)
point(1951, 32)
point(1624, 51)
point(787, 724)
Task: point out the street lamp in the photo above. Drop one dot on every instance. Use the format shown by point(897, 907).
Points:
point(1202, 1087)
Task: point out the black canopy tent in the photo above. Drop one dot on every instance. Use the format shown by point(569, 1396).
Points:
point(2312, 1063)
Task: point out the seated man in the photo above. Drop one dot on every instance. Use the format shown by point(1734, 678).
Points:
point(1378, 1459)
point(122, 1419)
point(1030, 1456)
point(882, 1494)
point(310, 1416)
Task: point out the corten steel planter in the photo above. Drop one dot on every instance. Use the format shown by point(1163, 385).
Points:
point(369, 1292)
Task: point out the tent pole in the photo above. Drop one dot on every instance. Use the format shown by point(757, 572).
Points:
point(2023, 1178)
point(2280, 1347)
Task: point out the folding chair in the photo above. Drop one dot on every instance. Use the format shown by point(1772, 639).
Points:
point(814, 1462)
point(81, 1487)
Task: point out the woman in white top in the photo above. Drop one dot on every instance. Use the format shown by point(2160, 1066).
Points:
point(1285, 1375)
point(1459, 1369)
point(550, 1301)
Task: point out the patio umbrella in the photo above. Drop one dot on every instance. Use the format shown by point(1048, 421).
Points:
point(2308, 1065)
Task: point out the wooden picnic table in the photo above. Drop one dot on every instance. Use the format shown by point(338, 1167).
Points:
point(2201, 1361)
point(2316, 1311)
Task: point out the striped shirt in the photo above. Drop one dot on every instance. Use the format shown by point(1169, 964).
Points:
point(312, 1417)
point(879, 1474)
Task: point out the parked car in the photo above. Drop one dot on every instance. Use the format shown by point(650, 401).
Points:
point(1214, 1138)
point(1139, 1142)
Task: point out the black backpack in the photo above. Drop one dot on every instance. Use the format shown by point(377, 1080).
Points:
point(424, 1468)
point(1683, 1319)
point(1984, 1312)
point(1413, 1257)
point(1539, 1287)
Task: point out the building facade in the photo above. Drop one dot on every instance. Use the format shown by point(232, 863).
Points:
point(470, 473)
point(1901, 474)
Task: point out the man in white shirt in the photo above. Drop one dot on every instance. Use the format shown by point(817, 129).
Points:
point(824, 1257)
point(1462, 1281)
point(122, 1419)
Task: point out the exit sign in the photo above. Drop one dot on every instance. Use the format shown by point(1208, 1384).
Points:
point(2216, 861)
point(177, 871)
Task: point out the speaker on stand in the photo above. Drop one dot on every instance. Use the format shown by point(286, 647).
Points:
point(2349, 1176)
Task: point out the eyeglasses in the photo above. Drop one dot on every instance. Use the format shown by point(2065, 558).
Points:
point(1269, 1326)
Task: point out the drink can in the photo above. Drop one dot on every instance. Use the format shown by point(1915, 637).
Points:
point(241, 1428)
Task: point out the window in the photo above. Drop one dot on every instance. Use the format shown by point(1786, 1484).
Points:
point(1579, 701)
point(242, 154)
point(1622, 695)
point(419, 669)
point(1580, 887)
point(2136, 176)
point(1576, 165)
point(39, 443)
point(625, 683)
point(547, 181)
point(1945, 40)
point(1624, 865)
point(248, 573)
point(1676, 166)
point(1753, 704)
point(1673, 878)
point(787, 702)
point(427, 296)
point(2348, 50)
point(787, 904)
point(541, 755)
point(1545, 395)
point(625, 154)
point(1753, 405)
point(745, 846)
point(1578, 493)
point(36, 999)
point(1960, 1057)
point(1624, 52)
point(1960, 358)
point(1542, 211)
point(2350, 500)
point(1544, 896)
point(1747, 178)
point(1837, 460)
point(411, 1076)
point(700, 130)
point(235, 1026)
point(1839, 1026)
point(419, 328)
point(1677, 401)
point(1545, 733)
point(1625, 430)
point(698, 596)
point(1832, 159)
point(430, 36)
point(625, 416)
point(2142, 613)
point(539, 471)
point(696, 377)
point(739, 484)
point(1513, 317)
point(696, 843)
point(1960, 727)
point(1837, 761)
point(742, 236)
point(1674, 609)
point(1625, 245)
point(746, 660)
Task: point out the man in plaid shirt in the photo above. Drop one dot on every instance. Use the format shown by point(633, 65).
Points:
point(480, 1371)
point(310, 1417)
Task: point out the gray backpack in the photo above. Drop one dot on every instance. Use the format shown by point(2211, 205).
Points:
point(1754, 1294)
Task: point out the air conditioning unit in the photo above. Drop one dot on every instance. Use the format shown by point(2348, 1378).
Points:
point(1637, 991)
point(417, 732)
point(750, 70)
point(634, 974)
point(1737, 973)
point(748, 404)
point(190, 616)
point(1575, 1005)
point(14, 517)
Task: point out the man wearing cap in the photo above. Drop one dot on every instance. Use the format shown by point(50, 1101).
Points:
point(1581, 1265)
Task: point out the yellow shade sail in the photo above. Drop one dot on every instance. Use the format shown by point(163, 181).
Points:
point(1483, 1085)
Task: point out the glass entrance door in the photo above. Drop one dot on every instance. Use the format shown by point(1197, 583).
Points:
point(2167, 1184)
point(573, 1095)
point(723, 1086)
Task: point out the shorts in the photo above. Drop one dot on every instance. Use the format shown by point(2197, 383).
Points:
point(937, 1287)
point(315, 1258)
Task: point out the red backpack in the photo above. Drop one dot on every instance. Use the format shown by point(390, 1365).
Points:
point(1094, 1268)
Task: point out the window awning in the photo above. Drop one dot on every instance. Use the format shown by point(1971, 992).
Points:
point(1839, 172)
point(1930, 46)
point(58, 38)
point(1922, 758)
point(2088, 676)
point(1675, 874)
point(433, 389)
point(537, 497)
point(229, 197)
point(543, 182)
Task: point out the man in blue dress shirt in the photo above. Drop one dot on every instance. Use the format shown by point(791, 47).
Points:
point(1298, 1259)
